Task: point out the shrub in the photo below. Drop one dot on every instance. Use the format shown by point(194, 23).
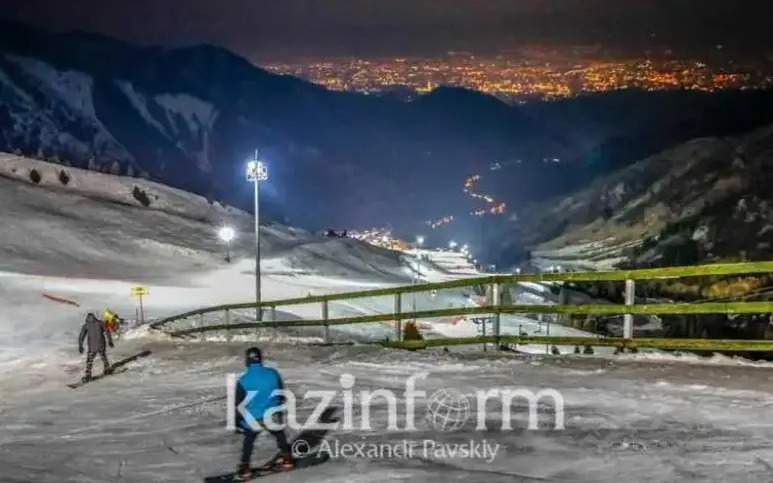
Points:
point(411, 332)
point(141, 196)
point(64, 178)
point(35, 176)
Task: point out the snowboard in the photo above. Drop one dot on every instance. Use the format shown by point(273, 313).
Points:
point(117, 368)
point(312, 437)
point(78, 384)
point(262, 472)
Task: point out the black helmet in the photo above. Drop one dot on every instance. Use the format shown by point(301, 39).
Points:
point(253, 356)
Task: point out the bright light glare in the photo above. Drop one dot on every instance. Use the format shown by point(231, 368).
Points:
point(420, 240)
point(256, 170)
point(252, 168)
point(227, 234)
point(452, 244)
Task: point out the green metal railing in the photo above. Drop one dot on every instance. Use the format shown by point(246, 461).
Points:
point(495, 308)
point(707, 345)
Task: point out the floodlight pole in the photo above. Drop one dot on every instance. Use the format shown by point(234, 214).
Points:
point(258, 310)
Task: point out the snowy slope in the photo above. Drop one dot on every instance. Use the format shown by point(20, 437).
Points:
point(91, 240)
point(626, 421)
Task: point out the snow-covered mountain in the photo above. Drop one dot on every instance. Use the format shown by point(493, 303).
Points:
point(35, 111)
point(59, 114)
point(705, 200)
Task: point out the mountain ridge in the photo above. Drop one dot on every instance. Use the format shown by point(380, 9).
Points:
point(707, 200)
point(191, 116)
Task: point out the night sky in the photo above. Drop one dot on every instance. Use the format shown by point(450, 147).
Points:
point(289, 29)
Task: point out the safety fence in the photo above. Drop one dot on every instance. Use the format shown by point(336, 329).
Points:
point(494, 308)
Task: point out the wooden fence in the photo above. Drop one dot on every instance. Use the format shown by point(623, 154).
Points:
point(495, 308)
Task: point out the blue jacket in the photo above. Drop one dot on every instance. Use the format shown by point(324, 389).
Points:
point(260, 383)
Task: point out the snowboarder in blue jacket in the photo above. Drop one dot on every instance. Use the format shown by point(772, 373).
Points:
point(261, 385)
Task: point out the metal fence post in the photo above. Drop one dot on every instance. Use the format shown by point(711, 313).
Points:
point(228, 331)
point(496, 296)
point(563, 299)
point(630, 294)
point(325, 319)
point(398, 320)
point(483, 332)
point(273, 320)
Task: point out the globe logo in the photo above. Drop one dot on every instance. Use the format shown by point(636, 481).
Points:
point(448, 409)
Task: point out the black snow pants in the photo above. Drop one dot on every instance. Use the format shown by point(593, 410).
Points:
point(90, 361)
point(249, 443)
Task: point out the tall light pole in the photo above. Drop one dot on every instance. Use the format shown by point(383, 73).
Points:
point(257, 172)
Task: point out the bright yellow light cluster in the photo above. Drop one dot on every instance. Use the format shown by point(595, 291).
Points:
point(534, 73)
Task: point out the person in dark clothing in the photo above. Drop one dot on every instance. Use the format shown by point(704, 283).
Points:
point(261, 383)
point(94, 332)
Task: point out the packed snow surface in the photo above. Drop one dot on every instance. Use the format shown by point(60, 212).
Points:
point(164, 419)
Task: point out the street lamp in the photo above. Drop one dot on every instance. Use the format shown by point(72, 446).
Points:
point(227, 234)
point(257, 172)
point(419, 243)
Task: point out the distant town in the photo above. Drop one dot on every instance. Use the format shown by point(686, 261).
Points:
point(540, 75)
